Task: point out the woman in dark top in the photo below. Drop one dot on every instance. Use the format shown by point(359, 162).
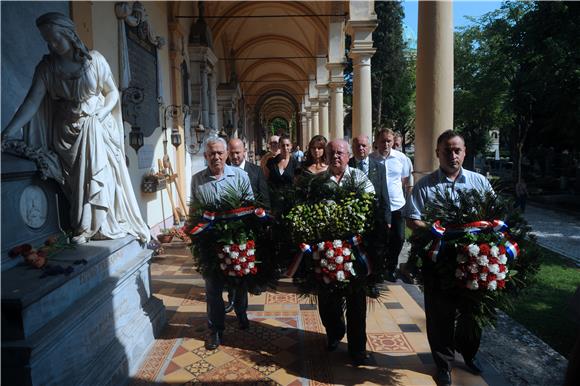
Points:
point(281, 171)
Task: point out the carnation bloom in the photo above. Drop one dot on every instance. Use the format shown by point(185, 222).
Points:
point(494, 268)
point(250, 252)
point(242, 259)
point(250, 265)
point(242, 247)
point(502, 259)
point(346, 251)
point(472, 284)
point(494, 251)
point(340, 276)
point(482, 260)
point(329, 253)
point(226, 248)
point(321, 245)
point(338, 259)
point(473, 249)
point(492, 285)
point(473, 268)
point(337, 243)
point(484, 249)
point(237, 267)
point(483, 277)
point(500, 276)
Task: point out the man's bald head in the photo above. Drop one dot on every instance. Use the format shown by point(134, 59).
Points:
point(361, 147)
point(337, 155)
point(236, 151)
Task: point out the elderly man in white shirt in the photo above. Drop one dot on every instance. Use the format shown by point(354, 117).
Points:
point(399, 175)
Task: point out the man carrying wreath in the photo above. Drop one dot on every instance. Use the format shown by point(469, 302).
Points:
point(441, 304)
point(212, 184)
point(331, 307)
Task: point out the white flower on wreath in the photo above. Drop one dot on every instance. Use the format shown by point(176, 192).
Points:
point(228, 260)
point(251, 264)
point(242, 259)
point(474, 268)
point(461, 258)
point(459, 273)
point(346, 251)
point(315, 256)
point(349, 267)
point(226, 248)
point(234, 255)
point(502, 258)
point(323, 263)
point(242, 247)
point(246, 271)
point(339, 259)
point(472, 284)
point(337, 243)
point(331, 267)
point(329, 253)
point(483, 276)
point(482, 260)
point(473, 249)
point(493, 268)
point(340, 276)
point(321, 245)
point(223, 266)
point(237, 267)
point(250, 252)
point(500, 276)
point(494, 251)
point(492, 285)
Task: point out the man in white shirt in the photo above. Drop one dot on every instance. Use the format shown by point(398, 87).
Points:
point(399, 174)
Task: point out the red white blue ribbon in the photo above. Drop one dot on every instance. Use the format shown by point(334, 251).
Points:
point(293, 267)
point(233, 214)
point(498, 226)
point(357, 241)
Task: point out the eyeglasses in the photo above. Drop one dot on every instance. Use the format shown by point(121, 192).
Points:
point(273, 143)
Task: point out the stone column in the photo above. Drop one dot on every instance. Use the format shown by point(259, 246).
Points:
point(213, 119)
point(434, 81)
point(336, 110)
point(315, 126)
point(304, 128)
point(204, 96)
point(323, 117)
point(308, 126)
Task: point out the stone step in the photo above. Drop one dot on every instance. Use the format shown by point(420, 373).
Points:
point(102, 335)
point(29, 302)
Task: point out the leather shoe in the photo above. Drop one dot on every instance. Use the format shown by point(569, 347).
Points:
point(332, 344)
point(244, 322)
point(229, 307)
point(373, 291)
point(212, 341)
point(473, 366)
point(390, 276)
point(360, 358)
point(443, 377)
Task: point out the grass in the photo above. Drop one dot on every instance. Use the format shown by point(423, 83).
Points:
point(544, 307)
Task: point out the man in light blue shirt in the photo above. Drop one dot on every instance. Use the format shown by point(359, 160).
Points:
point(209, 186)
point(441, 304)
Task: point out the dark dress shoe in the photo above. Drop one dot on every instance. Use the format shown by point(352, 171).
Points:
point(473, 366)
point(373, 291)
point(332, 344)
point(244, 322)
point(390, 276)
point(229, 307)
point(212, 341)
point(443, 377)
point(360, 358)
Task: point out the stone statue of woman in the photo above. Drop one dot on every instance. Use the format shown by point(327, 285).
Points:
point(74, 111)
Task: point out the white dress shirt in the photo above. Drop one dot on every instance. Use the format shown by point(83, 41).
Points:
point(398, 167)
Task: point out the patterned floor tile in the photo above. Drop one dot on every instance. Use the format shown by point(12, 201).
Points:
point(234, 371)
point(389, 342)
point(281, 298)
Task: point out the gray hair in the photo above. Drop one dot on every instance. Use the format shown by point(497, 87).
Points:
point(212, 140)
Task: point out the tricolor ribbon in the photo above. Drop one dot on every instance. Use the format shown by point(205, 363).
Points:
point(499, 227)
point(233, 214)
point(293, 267)
point(357, 241)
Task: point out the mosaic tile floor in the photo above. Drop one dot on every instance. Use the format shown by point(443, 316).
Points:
point(285, 344)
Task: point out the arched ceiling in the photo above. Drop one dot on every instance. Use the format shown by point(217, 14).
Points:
point(273, 56)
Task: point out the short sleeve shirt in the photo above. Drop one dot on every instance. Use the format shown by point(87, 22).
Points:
point(204, 186)
point(398, 166)
point(427, 187)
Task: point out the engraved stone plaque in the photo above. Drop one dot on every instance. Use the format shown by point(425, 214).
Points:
point(33, 206)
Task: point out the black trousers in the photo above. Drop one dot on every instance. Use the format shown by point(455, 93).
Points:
point(441, 307)
point(331, 308)
point(396, 239)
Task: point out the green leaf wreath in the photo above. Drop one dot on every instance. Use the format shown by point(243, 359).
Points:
point(477, 308)
point(325, 212)
point(206, 246)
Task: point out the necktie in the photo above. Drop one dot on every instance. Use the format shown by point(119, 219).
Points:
point(361, 166)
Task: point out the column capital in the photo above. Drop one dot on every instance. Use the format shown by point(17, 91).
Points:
point(337, 84)
point(361, 32)
point(362, 56)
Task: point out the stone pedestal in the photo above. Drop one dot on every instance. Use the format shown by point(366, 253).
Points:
point(92, 327)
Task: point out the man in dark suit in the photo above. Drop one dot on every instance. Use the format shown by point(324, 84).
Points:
point(376, 173)
point(237, 158)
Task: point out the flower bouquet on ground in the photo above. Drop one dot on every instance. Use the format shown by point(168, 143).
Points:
point(470, 251)
point(327, 225)
point(228, 238)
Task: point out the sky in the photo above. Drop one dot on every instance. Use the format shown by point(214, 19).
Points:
point(460, 9)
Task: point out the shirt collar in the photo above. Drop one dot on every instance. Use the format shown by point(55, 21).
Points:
point(346, 174)
point(228, 172)
point(442, 177)
point(242, 165)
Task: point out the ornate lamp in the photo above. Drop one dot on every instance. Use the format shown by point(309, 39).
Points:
point(136, 138)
